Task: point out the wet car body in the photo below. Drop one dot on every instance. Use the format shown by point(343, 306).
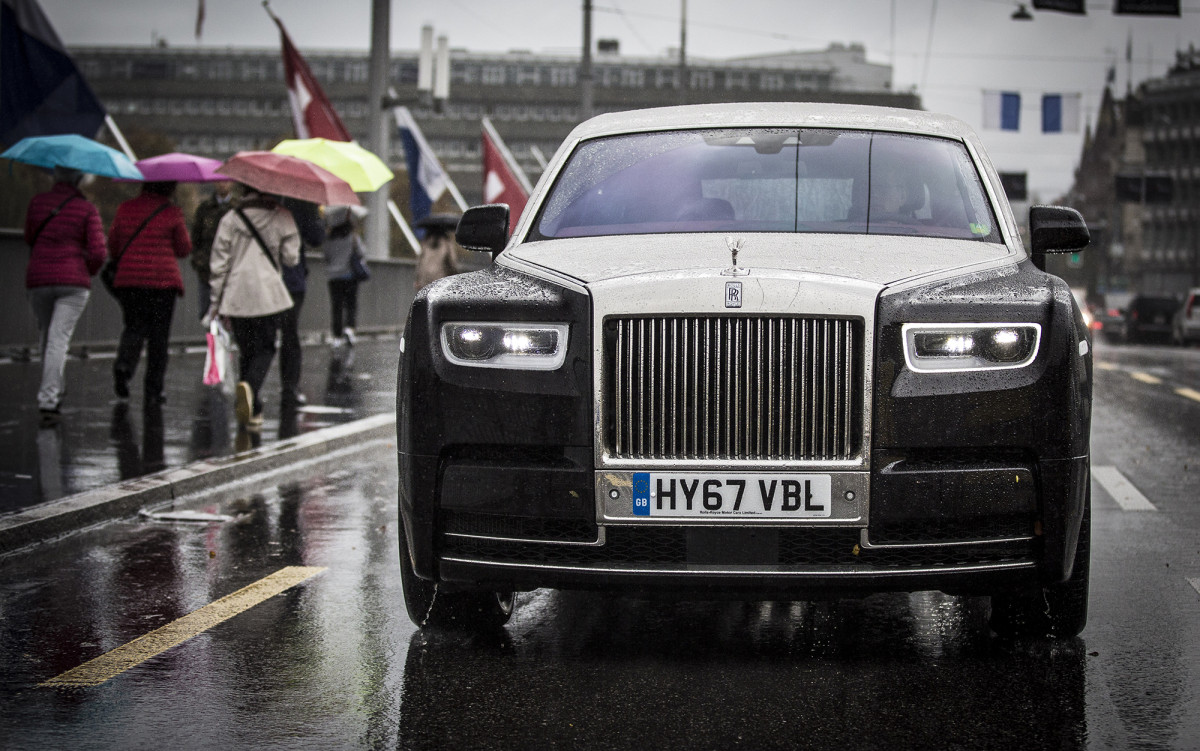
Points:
point(761, 386)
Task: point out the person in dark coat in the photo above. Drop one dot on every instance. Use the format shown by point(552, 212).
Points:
point(341, 245)
point(66, 240)
point(204, 229)
point(147, 235)
point(312, 233)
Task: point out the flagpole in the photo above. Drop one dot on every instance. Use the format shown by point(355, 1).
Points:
point(539, 156)
point(507, 156)
point(405, 230)
point(117, 134)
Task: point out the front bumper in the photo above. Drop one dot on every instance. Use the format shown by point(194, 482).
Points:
point(960, 527)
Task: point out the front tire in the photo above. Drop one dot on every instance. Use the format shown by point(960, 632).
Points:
point(430, 606)
point(1058, 611)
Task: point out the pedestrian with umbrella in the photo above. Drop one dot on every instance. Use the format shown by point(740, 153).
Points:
point(253, 245)
point(147, 237)
point(66, 241)
point(342, 247)
point(437, 257)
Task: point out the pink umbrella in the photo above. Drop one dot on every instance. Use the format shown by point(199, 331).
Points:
point(180, 167)
point(289, 176)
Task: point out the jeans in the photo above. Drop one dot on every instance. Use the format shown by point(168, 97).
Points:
point(343, 298)
point(290, 354)
point(57, 309)
point(147, 314)
point(255, 339)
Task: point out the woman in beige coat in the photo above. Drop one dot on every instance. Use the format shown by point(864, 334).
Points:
point(248, 290)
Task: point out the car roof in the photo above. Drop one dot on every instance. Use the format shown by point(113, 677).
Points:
point(776, 114)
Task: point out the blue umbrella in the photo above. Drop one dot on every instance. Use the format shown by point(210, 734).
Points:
point(73, 151)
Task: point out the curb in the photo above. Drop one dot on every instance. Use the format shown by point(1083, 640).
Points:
point(92, 507)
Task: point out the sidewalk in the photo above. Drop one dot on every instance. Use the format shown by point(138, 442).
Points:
point(101, 441)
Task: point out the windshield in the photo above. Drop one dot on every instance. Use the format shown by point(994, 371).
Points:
point(768, 180)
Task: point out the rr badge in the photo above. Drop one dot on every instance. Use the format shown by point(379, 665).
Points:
point(733, 294)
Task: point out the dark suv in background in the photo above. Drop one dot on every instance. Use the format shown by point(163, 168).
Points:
point(1148, 318)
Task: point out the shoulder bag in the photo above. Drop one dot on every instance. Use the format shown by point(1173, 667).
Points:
point(38, 232)
point(108, 272)
point(258, 238)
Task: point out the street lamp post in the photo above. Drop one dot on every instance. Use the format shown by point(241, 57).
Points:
point(378, 230)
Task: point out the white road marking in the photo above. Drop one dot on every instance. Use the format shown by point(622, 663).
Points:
point(1121, 490)
point(1195, 584)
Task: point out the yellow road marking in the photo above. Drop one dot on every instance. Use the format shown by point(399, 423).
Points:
point(113, 663)
point(1106, 366)
point(1192, 394)
point(1145, 378)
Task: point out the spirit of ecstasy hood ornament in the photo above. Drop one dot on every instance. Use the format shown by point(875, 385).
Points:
point(735, 244)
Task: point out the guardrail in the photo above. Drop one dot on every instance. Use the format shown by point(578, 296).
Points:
point(383, 303)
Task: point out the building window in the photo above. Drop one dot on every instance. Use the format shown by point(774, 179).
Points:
point(355, 72)
point(493, 75)
point(404, 72)
point(464, 74)
point(736, 79)
point(528, 75)
point(563, 76)
point(771, 82)
point(666, 78)
point(702, 79)
point(152, 69)
point(633, 78)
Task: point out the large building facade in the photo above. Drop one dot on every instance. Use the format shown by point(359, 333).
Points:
point(1138, 186)
point(216, 102)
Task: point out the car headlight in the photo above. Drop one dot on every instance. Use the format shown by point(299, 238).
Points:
point(948, 347)
point(518, 346)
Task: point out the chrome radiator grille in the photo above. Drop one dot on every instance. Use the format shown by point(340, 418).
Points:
point(733, 388)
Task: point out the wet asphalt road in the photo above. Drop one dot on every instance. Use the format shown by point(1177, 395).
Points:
point(100, 441)
point(334, 662)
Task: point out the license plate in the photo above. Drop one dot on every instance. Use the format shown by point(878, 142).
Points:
point(783, 496)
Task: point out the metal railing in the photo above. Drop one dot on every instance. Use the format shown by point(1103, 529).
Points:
point(383, 302)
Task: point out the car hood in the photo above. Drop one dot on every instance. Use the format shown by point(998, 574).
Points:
point(881, 260)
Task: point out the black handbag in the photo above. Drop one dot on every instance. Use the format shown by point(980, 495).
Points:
point(359, 271)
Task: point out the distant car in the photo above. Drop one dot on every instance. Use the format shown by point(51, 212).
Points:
point(1185, 327)
point(1148, 318)
point(767, 351)
point(1109, 317)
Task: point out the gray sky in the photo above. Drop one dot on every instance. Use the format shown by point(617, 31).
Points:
point(949, 51)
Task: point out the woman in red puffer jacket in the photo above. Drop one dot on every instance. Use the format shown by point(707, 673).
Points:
point(66, 240)
point(146, 239)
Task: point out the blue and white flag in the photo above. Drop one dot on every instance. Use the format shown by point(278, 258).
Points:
point(1060, 113)
point(1001, 110)
point(42, 93)
point(427, 180)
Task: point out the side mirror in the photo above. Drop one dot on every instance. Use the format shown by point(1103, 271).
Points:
point(484, 228)
point(1057, 229)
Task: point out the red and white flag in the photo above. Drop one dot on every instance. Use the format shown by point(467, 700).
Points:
point(503, 179)
point(312, 113)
